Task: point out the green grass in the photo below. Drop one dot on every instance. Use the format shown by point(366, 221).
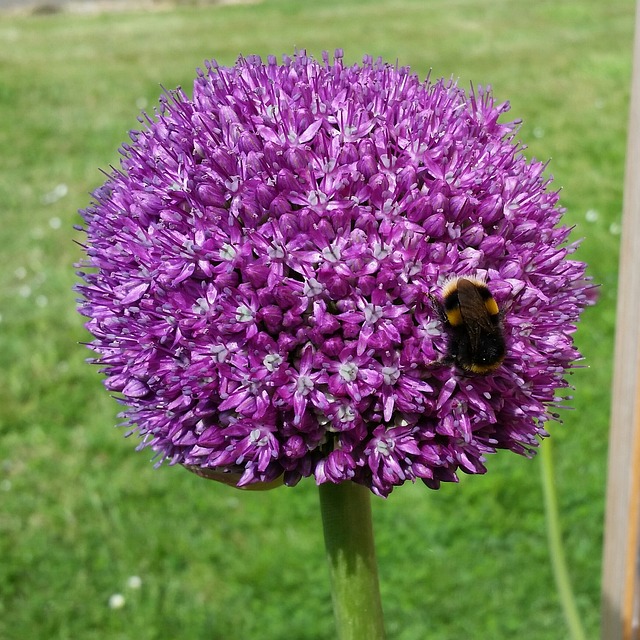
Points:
point(81, 512)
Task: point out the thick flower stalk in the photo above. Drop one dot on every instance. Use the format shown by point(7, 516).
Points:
point(262, 270)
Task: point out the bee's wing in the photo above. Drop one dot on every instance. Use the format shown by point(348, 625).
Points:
point(474, 314)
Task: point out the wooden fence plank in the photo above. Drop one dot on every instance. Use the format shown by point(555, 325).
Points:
point(620, 578)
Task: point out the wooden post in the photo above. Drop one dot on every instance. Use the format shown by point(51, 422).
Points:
point(621, 578)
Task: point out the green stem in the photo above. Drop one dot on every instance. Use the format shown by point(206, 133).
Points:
point(348, 536)
point(558, 560)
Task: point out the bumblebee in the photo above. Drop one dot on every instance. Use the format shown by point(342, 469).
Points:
point(474, 322)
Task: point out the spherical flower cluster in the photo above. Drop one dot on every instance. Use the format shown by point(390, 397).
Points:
point(261, 272)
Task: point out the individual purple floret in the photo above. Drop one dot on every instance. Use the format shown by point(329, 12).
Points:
point(260, 273)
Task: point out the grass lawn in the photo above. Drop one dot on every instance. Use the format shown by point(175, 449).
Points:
point(81, 512)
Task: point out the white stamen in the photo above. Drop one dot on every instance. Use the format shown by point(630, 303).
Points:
point(381, 251)
point(244, 314)
point(348, 371)
point(346, 413)
point(383, 448)
point(227, 252)
point(272, 361)
point(304, 385)
point(312, 288)
point(220, 352)
point(256, 437)
point(276, 252)
point(331, 254)
point(390, 374)
point(201, 306)
point(372, 313)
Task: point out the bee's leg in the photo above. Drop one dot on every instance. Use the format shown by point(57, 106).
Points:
point(437, 307)
point(446, 360)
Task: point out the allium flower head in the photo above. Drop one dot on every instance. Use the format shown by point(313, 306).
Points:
point(260, 272)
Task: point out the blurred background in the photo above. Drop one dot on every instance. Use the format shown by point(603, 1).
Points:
point(97, 544)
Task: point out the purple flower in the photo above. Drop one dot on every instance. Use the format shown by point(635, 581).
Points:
point(259, 276)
